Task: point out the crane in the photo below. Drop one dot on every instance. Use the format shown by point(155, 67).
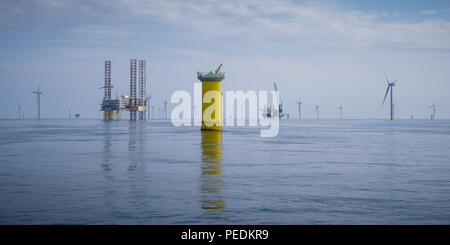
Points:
point(218, 69)
point(280, 104)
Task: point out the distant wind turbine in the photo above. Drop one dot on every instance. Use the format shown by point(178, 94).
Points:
point(165, 108)
point(340, 108)
point(433, 116)
point(153, 112)
point(317, 111)
point(19, 111)
point(38, 95)
point(147, 102)
point(390, 86)
point(299, 102)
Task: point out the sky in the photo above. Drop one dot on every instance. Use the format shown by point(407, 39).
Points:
point(326, 53)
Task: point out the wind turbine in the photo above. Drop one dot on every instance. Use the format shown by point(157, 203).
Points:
point(153, 112)
point(390, 86)
point(317, 111)
point(433, 116)
point(165, 108)
point(147, 103)
point(299, 102)
point(19, 111)
point(38, 95)
point(340, 108)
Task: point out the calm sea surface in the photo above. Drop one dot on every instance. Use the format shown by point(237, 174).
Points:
point(313, 172)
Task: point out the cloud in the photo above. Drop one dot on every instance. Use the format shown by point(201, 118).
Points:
point(100, 30)
point(428, 12)
point(53, 3)
point(291, 21)
point(256, 22)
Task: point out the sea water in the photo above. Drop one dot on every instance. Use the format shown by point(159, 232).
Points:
point(313, 172)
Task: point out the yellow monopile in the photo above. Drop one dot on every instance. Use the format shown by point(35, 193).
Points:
point(211, 99)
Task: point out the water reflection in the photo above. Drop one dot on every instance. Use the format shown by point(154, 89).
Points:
point(106, 164)
point(124, 191)
point(136, 167)
point(132, 145)
point(211, 173)
point(136, 146)
point(109, 190)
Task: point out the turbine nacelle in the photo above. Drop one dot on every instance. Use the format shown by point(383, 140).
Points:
point(389, 87)
point(392, 83)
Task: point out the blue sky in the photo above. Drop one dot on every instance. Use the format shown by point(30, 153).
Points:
point(324, 52)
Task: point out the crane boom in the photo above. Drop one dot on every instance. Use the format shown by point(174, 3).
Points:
point(218, 68)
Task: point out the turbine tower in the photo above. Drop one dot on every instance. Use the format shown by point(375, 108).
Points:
point(19, 111)
point(165, 109)
point(38, 96)
point(153, 112)
point(433, 116)
point(299, 102)
point(317, 112)
point(340, 109)
point(147, 103)
point(390, 86)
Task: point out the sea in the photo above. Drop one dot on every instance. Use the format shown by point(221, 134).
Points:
point(314, 172)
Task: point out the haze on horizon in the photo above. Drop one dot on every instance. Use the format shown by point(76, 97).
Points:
point(327, 53)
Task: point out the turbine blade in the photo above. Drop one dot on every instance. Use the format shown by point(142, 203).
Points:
point(387, 79)
point(385, 95)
